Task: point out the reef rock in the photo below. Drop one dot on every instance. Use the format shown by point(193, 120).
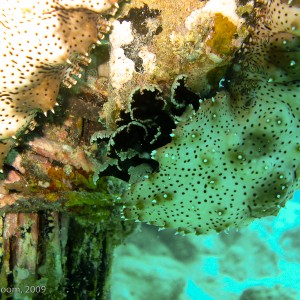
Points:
point(153, 42)
point(237, 157)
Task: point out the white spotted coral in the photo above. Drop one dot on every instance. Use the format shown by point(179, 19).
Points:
point(237, 158)
point(42, 44)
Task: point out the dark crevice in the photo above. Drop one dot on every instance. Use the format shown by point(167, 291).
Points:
point(146, 126)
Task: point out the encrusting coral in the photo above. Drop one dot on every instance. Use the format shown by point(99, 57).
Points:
point(237, 157)
point(43, 43)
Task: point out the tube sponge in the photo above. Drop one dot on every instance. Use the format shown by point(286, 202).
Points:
point(236, 158)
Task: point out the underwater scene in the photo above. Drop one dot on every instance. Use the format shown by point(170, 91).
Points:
point(149, 149)
point(258, 262)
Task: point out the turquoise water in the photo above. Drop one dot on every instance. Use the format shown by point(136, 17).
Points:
point(263, 257)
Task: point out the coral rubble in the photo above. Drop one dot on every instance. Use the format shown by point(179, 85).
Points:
point(237, 157)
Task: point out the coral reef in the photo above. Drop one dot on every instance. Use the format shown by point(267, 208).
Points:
point(237, 157)
point(197, 166)
point(43, 44)
point(157, 66)
point(237, 136)
point(151, 47)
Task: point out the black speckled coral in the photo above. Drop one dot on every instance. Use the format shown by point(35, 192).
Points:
point(42, 44)
point(237, 158)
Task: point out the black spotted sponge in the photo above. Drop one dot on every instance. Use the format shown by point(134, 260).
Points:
point(237, 158)
point(43, 43)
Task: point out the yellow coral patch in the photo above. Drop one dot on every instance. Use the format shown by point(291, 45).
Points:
point(221, 40)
